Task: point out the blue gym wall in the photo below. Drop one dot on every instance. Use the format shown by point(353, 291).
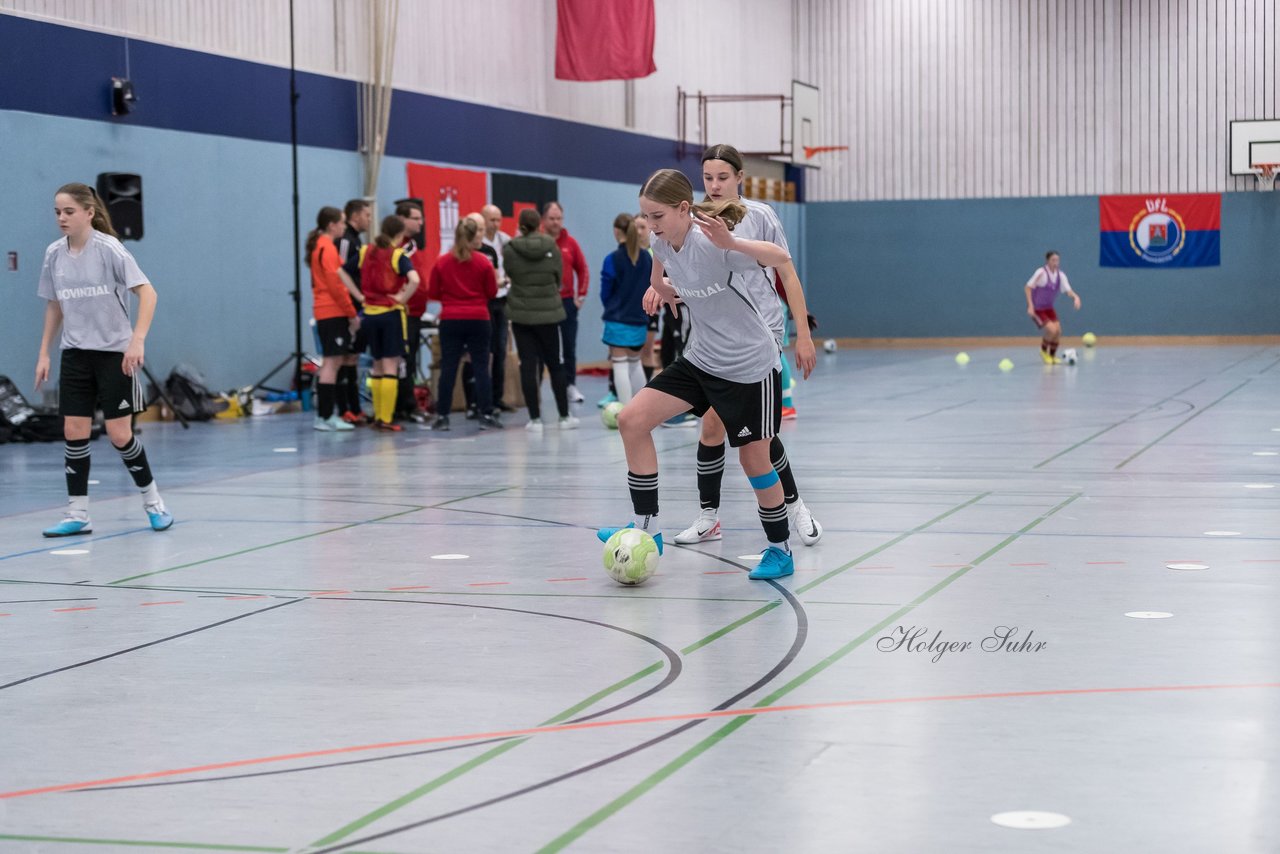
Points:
point(915, 269)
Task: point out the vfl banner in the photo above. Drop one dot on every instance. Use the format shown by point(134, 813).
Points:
point(1160, 231)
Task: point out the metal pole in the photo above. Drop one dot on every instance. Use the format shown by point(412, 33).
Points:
point(297, 229)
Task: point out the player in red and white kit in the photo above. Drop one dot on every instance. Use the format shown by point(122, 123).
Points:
point(1042, 291)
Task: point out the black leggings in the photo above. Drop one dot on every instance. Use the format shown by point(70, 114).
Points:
point(539, 345)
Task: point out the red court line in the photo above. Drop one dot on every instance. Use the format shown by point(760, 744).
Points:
point(6, 615)
point(583, 578)
point(65, 610)
point(331, 593)
point(487, 583)
point(597, 724)
point(414, 587)
point(149, 604)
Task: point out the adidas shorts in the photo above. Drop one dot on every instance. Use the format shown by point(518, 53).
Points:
point(750, 411)
point(95, 379)
point(335, 336)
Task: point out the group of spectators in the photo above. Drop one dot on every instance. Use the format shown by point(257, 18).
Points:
point(372, 298)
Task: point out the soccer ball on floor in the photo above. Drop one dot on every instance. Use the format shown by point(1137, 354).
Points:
point(829, 345)
point(609, 415)
point(1069, 356)
point(630, 557)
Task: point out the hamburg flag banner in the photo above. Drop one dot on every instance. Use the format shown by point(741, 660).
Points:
point(1160, 231)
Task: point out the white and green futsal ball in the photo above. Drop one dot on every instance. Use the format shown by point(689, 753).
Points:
point(630, 556)
point(609, 415)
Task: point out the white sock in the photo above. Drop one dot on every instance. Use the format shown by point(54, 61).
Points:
point(636, 371)
point(785, 545)
point(78, 507)
point(643, 523)
point(621, 378)
point(151, 495)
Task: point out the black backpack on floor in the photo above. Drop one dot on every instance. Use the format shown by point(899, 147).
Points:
point(22, 422)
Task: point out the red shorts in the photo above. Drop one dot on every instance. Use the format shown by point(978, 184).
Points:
point(1044, 315)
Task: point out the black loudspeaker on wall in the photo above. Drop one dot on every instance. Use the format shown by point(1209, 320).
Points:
point(121, 192)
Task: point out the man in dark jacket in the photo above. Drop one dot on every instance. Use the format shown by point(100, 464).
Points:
point(533, 264)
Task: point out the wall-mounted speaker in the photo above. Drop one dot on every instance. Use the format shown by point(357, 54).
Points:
point(121, 192)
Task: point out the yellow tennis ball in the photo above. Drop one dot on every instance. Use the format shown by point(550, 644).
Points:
point(962, 358)
point(1006, 365)
point(1089, 339)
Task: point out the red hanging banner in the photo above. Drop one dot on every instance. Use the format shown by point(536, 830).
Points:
point(604, 39)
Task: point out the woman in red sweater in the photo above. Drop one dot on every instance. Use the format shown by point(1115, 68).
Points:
point(463, 281)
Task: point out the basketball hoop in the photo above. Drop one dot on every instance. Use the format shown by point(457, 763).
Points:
point(1266, 174)
point(810, 150)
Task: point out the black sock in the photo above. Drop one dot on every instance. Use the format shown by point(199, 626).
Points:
point(778, 456)
point(644, 493)
point(77, 466)
point(1053, 348)
point(774, 520)
point(348, 396)
point(710, 474)
point(326, 393)
point(648, 372)
point(135, 460)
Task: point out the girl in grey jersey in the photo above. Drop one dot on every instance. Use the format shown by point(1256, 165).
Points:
point(86, 279)
point(722, 173)
point(730, 362)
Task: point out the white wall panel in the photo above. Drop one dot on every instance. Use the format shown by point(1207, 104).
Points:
point(494, 52)
point(975, 98)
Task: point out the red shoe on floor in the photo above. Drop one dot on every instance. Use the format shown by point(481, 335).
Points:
point(788, 413)
point(356, 418)
point(387, 427)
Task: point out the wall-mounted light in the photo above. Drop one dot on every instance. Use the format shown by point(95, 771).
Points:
point(122, 96)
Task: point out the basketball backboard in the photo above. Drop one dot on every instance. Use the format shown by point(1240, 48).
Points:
point(806, 129)
point(1252, 143)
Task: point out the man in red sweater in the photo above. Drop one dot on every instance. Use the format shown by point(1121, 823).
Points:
point(573, 290)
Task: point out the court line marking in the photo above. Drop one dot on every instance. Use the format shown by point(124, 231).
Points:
point(1201, 411)
point(149, 843)
point(943, 409)
point(652, 780)
point(149, 643)
point(1119, 423)
point(494, 753)
point(413, 509)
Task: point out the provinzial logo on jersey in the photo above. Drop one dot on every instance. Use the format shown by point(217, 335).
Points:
point(80, 293)
point(1160, 231)
point(700, 293)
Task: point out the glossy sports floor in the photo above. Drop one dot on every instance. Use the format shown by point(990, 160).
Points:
point(295, 666)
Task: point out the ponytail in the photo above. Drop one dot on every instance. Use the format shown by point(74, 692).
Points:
point(87, 197)
point(462, 236)
point(325, 218)
point(669, 187)
point(392, 227)
point(626, 223)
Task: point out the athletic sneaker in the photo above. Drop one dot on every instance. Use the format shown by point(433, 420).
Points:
point(684, 419)
point(325, 425)
point(569, 422)
point(606, 400)
point(441, 423)
point(774, 563)
point(69, 527)
point(801, 520)
point(160, 518)
point(387, 427)
point(704, 529)
point(575, 396)
point(355, 418)
point(604, 534)
point(534, 426)
point(1046, 358)
point(788, 413)
point(489, 422)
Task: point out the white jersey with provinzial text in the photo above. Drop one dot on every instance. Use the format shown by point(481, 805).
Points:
point(92, 289)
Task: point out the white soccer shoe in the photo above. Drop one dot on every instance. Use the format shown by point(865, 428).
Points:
point(801, 520)
point(704, 529)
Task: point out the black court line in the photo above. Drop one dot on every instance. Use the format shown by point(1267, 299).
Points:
point(145, 645)
point(802, 631)
point(674, 669)
point(74, 599)
point(943, 409)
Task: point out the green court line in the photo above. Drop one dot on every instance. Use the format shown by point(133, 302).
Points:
point(145, 843)
point(493, 753)
point(648, 783)
point(413, 509)
point(1178, 426)
point(1122, 421)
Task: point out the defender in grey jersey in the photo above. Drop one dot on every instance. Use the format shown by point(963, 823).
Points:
point(86, 280)
point(731, 361)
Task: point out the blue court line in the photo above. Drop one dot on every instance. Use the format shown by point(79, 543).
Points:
point(69, 542)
